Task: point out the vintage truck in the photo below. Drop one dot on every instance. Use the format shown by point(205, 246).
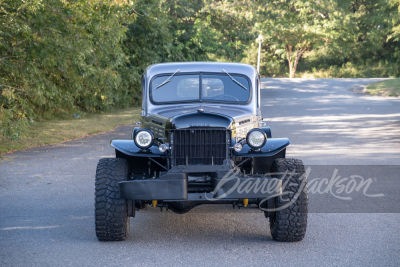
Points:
point(201, 140)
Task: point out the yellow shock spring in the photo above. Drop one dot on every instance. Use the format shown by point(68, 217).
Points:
point(154, 203)
point(245, 202)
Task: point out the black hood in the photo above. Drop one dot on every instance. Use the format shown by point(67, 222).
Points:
point(224, 110)
point(201, 119)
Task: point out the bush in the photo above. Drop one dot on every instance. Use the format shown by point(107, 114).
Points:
point(59, 57)
point(12, 123)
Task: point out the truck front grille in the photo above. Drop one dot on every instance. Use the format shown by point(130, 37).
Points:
point(199, 146)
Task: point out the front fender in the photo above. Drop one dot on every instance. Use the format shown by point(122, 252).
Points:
point(134, 131)
point(271, 147)
point(267, 130)
point(128, 147)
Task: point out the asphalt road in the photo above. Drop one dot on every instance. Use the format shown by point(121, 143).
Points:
point(46, 194)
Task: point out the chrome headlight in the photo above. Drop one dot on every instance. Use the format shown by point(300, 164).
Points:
point(256, 138)
point(237, 147)
point(144, 138)
point(163, 148)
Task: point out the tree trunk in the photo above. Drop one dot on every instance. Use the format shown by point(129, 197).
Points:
point(290, 61)
point(296, 61)
point(292, 69)
point(292, 72)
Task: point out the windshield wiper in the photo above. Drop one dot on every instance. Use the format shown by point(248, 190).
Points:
point(233, 79)
point(167, 80)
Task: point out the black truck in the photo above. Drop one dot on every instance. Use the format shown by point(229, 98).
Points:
point(201, 140)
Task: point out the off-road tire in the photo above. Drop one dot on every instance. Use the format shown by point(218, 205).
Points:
point(289, 224)
point(111, 213)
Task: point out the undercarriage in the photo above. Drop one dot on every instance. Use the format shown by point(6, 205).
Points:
point(192, 186)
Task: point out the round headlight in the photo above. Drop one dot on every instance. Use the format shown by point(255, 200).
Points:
point(237, 147)
point(163, 148)
point(256, 138)
point(144, 138)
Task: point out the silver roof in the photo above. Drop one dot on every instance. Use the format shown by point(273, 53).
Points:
point(230, 67)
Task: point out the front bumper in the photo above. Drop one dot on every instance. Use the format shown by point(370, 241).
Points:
point(173, 185)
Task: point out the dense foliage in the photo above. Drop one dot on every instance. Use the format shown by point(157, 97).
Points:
point(61, 57)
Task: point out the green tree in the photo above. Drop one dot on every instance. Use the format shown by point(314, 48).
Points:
point(293, 27)
point(395, 20)
point(205, 29)
point(148, 41)
point(57, 57)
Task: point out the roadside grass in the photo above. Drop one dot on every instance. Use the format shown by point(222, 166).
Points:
point(56, 131)
point(385, 88)
point(380, 69)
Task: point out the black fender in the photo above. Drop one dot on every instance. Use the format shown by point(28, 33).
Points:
point(128, 147)
point(201, 119)
point(134, 131)
point(271, 147)
point(267, 130)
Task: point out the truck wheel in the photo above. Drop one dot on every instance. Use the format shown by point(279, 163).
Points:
point(111, 213)
point(289, 222)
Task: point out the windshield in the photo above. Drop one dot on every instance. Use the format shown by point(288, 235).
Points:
point(200, 88)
